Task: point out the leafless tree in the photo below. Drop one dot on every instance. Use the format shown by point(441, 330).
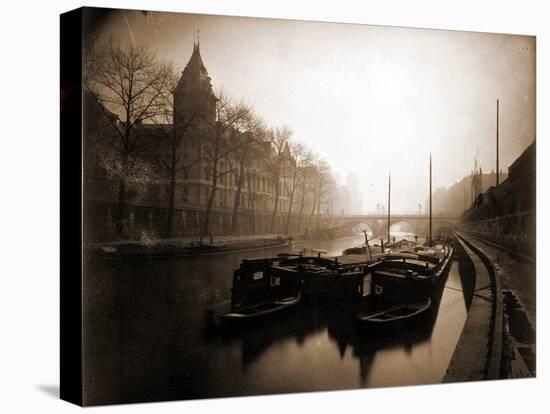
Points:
point(247, 142)
point(251, 178)
point(319, 174)
point(176, 128)
point(301, 157)
point(329, 195)
point(323, 180)
point(94, 53)
point(276, 164)
point(217, 146)
point(307, 178)
point(314, 188)
point(129, 82)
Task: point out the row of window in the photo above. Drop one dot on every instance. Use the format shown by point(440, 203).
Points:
point(258, 183)
point(225, 199)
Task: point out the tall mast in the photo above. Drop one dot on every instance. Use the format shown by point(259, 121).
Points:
point(497, 148)
point(389, 204)
point(430, 226)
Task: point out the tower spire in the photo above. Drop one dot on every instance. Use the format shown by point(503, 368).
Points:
point(194, 89)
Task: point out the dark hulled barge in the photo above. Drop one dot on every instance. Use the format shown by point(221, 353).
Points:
point(265, 286)
point(395, 286)
point(404, 286)
point(257, 291)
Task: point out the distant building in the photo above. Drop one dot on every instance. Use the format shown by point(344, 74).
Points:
point(507, 214)
point(342, 202)
point(194, 96)
point(356, 195)
point(461, 195)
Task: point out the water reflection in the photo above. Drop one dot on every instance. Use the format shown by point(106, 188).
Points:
point(148, 339)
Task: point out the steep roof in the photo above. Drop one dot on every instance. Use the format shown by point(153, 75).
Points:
point(195, 76)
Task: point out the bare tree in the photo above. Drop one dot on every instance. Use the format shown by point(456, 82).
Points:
point(307, 177)
point(247, 144)
point(217, 146)
point(319, 174)
point(251, 178)
point(128, 82)
point(323, 180)
point(276, 163)
point(314, 186)
point(300, 159)
point(329, 195)
point(94, 53)
point(176, 128)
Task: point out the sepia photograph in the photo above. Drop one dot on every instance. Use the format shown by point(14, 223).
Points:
point(276, 206)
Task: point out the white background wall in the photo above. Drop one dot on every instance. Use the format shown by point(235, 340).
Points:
point(29, 171)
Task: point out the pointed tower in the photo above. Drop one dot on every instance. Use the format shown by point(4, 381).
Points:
point(194, 93)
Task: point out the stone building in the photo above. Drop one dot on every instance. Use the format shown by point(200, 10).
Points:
point(196, 112)
point(507, 214)
point(194, 94)
point(457, 198)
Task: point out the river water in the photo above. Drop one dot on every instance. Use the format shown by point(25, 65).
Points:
point(146, 336)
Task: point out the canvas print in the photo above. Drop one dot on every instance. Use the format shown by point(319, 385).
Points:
point(275, 206)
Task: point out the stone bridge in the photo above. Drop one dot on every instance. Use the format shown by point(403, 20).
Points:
point(378, 223)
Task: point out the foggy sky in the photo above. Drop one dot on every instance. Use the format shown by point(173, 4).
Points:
point(365, 98)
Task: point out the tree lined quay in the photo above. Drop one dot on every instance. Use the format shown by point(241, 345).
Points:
point(171, 157)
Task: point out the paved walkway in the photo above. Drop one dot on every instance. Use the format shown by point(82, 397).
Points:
point(518, 278)
point(517, 275)
point(470, 358)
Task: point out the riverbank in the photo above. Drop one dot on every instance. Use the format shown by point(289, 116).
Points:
point(190, 245)
point(185, 246)
point(317, 346)
point(477, 355)
point(517, 275)
point(498, 339)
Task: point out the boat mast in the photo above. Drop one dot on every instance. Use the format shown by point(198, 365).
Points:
point(430, 225)
point(389, 204)
point(367, 243)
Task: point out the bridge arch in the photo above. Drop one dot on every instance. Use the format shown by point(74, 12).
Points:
point(357, 226)
point(378, 223)
point(408, 225)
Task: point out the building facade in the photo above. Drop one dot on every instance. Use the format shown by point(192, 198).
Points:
point(195, 114)
point(506, 214)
